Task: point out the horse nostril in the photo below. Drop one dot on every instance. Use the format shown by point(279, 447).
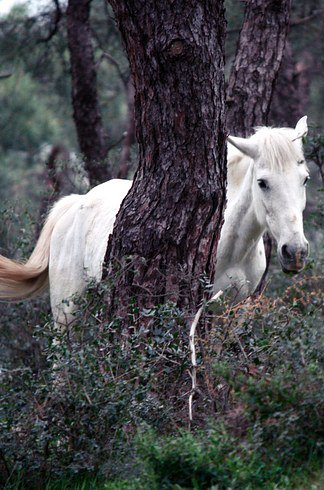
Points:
point(286, 253)
point(291, 253)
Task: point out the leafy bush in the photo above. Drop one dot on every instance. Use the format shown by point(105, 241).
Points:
point(73, 405)
point(79, 413)
point(275, 379)
point(206, 460)
point(263, 365)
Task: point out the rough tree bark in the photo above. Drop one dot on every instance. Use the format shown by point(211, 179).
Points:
point(260, 49)
point(166, 232)
point(86, 112)
point(258, 58)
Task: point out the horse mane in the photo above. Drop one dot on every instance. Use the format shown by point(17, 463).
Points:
point(277, 148)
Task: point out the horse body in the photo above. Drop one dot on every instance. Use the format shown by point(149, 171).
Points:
point(78, 244)
point(266, 177)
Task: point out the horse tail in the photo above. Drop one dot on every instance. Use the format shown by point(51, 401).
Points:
point(20, 281)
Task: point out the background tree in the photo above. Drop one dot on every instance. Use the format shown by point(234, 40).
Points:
point(291, 91)
point(91, 133)
point(297, 85)
point(259, 53)
point(168, 227)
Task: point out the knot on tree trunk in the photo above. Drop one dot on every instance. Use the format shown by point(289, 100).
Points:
point(177, 48)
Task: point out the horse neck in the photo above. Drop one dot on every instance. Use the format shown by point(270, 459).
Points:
point(240, 215)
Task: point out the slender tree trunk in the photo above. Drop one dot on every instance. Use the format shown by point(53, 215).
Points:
point(260, 49)
point(86, 112)
point(166, 232)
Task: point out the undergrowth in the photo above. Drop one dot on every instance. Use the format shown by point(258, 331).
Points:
point(113, 404)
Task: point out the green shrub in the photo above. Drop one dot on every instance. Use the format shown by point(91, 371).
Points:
point(209, 459)
point(78, 414)
point(257, 415)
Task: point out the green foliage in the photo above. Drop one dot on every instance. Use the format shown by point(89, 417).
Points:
point(206, 460)
point(269, 434)
point(36, 98)
point(27, 120)
point(81, 412)
point(211, 459)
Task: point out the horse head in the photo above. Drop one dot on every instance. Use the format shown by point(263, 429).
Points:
point(279, 177)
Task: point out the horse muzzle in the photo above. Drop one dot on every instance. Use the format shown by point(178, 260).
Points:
point(292, 258)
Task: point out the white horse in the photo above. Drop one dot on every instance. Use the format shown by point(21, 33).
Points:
point(267, 175)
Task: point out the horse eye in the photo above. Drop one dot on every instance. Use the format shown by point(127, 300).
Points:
point(263, 184)
point(306, 180)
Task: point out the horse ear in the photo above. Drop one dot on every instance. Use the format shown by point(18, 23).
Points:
point(301, 128)
point(245, 146)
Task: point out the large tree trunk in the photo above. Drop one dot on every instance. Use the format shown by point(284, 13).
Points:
point(166, 232)
point(86, 112)
point(260, 49)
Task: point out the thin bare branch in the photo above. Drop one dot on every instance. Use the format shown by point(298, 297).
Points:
point(123, 76)
point(193, 373)
point(293, 23)
point(304, 20)
point(55, 26)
